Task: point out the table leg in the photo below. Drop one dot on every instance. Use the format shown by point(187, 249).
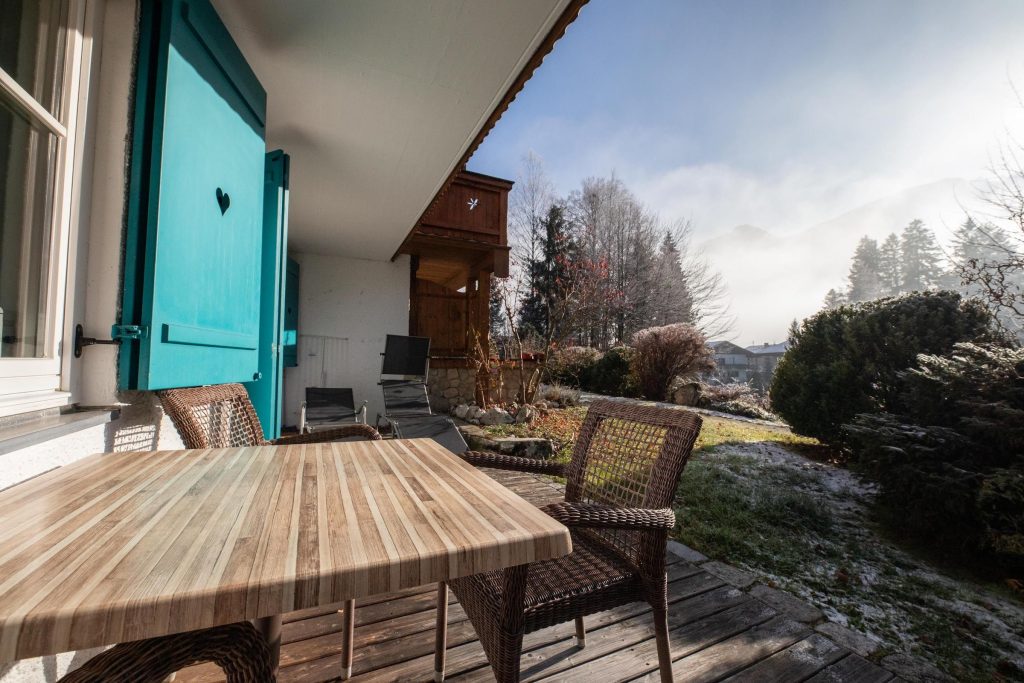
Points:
point(348, 630)
point(441, 631)
point(270, 629)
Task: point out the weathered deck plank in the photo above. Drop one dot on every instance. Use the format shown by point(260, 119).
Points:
point(795, 663)
point(852, 669)
point(718, 632)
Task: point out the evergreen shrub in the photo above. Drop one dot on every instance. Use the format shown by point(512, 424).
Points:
point(950, 463)
point(612, 375)
point(572, 364)
point(847, 361)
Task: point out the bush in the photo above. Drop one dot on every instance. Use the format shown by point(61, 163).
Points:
point(611, 374)
point(950, 464)
point(663, 353)
point(737, 398)
point(561, 395)
point(846, 361)
point(572, 364)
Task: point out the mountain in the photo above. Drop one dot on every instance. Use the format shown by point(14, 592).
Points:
point(746, 234)
point(774, 277)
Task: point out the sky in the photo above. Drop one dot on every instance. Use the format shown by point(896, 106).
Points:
point(781, 114)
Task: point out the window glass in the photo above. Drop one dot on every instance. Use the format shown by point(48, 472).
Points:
point(28, 157)
point(32, 35)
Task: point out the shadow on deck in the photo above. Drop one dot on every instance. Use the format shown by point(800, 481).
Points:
point(718, 632)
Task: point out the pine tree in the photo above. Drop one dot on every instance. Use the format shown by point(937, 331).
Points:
point(921, 259)
point(793, 333)
point(548, 274)
point(865, 283)
point(672, 300)
point(834, 299)
point(889, 275)
point(983, 243)
point(495, 311)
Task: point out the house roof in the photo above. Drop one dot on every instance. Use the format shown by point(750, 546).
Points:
point(381, 103)
point(723, 346)
point(769, 348)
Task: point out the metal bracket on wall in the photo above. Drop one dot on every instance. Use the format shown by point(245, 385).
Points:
point(117, 332)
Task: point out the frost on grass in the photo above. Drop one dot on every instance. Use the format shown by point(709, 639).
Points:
point(804, 526)
point(749, 497)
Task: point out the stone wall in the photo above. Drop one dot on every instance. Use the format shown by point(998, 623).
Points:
point(450, 386)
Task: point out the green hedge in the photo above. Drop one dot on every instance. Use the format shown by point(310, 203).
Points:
point(588, 369)
point(846, 361)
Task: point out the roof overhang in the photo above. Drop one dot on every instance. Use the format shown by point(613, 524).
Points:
point(380, 103)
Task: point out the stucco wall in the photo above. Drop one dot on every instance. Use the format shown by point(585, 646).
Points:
point(357, 301)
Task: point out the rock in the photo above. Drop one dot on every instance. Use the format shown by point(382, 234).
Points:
point(525, 414)
point(474, 413)
point(496, 416)
point(480, 440)
point(461, 411)
point(687, 394)
point(541, 404)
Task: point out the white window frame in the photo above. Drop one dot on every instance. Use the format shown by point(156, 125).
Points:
point(28, 384)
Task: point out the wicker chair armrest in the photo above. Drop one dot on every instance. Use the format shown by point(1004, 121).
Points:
point(513, 462)
point(334, 434)
point(610, 517)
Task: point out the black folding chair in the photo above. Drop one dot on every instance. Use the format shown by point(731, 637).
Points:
point(403, 379)
point(329, 407)
point(405, 397)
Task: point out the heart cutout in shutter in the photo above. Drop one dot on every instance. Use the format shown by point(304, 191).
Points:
point(223, 201)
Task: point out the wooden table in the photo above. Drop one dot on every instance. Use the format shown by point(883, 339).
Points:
point(125, 546)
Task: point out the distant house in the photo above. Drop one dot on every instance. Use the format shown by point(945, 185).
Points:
point(754, 364)
point(732, 363)
point(766, 356)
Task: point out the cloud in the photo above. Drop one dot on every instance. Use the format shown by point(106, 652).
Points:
point(784, 119)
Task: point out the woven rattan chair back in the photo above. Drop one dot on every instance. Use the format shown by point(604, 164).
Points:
point(219, 416)
point(630, 456)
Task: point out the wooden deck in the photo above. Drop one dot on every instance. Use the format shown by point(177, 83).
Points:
point(718, 632)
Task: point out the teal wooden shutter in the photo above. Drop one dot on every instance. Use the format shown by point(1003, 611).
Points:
point(266, 392)
point(291, 315)
point(191, 312)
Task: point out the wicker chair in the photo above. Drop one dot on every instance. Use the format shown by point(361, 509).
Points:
point(222, 416)
point(238, 649)
point(620, 484)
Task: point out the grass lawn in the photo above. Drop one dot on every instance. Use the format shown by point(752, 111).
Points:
point(771, 502)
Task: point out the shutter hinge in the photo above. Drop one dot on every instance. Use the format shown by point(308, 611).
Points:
point(128, 332)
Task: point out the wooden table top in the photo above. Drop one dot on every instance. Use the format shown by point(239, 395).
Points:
point(123, 546)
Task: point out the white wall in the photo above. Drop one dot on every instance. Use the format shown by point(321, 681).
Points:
point(356, 300)
point(95, 374)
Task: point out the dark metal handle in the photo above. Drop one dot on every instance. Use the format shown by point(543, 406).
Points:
point(81, 341)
